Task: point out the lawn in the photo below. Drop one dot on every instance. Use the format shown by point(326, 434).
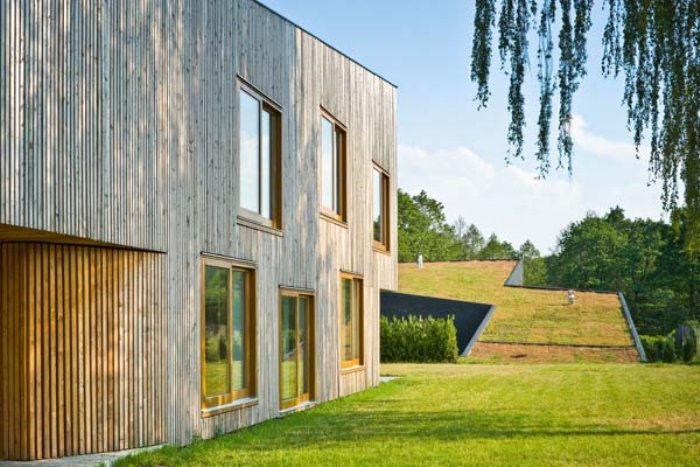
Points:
point(522, 315)
point(477, 414)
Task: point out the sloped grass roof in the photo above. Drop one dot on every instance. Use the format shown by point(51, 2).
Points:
point(522, 315)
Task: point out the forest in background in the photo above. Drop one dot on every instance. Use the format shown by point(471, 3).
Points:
point(643, 258)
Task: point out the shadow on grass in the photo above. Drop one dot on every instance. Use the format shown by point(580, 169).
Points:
point(379, 423)
point(384, 420)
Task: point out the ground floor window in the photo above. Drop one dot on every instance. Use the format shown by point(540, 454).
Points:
point(228, 333)
point(296, 348)
point(351, 321)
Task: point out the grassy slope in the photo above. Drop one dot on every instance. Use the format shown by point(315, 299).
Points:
point(481, 415)
point(522, 315)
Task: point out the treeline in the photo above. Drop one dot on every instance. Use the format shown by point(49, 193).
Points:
point(423, 229)
point(645, 259)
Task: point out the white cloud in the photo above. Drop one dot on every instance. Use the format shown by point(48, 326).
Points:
point(466, 171)
point(507, 200)
point(513, 203)
point(596, 144)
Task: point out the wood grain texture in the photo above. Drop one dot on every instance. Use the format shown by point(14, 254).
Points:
point(54, 325)
point(120, 128)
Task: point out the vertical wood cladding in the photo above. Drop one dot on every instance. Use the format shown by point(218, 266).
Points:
point(82, 348)
point(119, 124)
point(78, 120)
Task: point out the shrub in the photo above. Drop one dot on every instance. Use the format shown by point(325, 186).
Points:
point(223, 347)
point(696, 326)
point(420, 340)
point(685, 341)
point(659, 348)
point(212, 349)
point(680, 344)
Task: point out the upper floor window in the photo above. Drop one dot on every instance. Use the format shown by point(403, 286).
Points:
point(259, 158)
point(380, 208)
point(333, 168)
point(228, 333)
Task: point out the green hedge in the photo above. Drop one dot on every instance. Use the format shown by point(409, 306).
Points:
point(418, 340)
point(659, 348)
point(667, 349)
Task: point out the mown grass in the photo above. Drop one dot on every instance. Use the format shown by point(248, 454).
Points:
point(585, 414)
point(522, 315)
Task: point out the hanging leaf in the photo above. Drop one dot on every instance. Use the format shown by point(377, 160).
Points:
point(655, 45)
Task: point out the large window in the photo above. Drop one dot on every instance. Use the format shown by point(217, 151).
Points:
point(296, 349)
point(228, 333)
point(351, 321)
point(333, 168)
point(259, 158)
point(380, 209)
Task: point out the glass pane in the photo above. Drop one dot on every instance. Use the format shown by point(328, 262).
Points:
point(265, 165)
point(304, 345)
point(240, 377)
point(347, 331)
point(327, 164)
point(250, 154)
point(217, 372)
point(378, 193)
point(337, 187)
point(356, 319)
point(289, 357)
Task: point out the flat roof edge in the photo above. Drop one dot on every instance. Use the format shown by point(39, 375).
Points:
point(306, 31)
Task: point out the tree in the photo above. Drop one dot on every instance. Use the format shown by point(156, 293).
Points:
point(473, 242)
point(423, 230)
point(645, 259)
point(495, 249)
point(528, 250)
point(460, 227)
point(590, 255)
point(535, 270)
point(470, 238)
point(655, 44)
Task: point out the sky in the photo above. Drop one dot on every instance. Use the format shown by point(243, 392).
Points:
point(456, 152)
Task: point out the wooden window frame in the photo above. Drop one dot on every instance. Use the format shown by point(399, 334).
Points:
point(383, 247)
point(306, 397)
point(246, 216)
point(341, 157)
point(243, 397)
point(355, 363)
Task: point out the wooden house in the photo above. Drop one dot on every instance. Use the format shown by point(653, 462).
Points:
point(197, 214)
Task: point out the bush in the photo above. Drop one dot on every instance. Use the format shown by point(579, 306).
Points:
point(419, 340)
point(212, 349)
point(696, 327)
point(223, 347)
point(685, 340)
point(659, 348)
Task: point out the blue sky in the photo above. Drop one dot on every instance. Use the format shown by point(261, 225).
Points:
point(456, 153)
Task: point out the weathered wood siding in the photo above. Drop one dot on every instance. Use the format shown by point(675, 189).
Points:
point(81, 350)
point(78, 125)
point(366, 105)
point(119, 125)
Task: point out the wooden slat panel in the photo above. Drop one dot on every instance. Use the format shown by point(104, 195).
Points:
point(59, 304)
point(5, 349)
